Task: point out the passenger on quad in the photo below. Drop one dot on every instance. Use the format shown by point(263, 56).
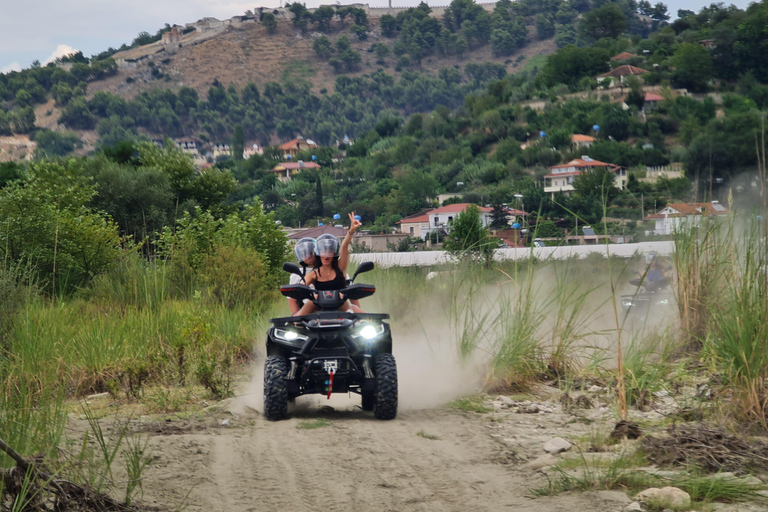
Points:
point(655, 276)
point(305, 254)
point(330, 267)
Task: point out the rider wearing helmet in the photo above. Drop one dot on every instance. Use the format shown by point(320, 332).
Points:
point(305, 254)
point(331, 261)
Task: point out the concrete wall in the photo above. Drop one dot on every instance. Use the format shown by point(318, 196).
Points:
point(429, 258)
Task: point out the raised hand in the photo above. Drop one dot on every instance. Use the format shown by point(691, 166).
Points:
point(353, 223)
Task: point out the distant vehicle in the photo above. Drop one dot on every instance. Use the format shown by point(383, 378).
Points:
point(538, 242)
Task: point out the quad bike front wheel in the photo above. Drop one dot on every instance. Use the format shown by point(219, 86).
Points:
point(385, 399)
point(276, 388)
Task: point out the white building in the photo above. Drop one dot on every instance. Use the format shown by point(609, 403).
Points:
point(561, 177)
point(677, 215)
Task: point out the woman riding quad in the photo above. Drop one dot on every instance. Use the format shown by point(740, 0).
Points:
point(330, 266)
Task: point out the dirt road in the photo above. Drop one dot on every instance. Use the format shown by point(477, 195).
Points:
point(425, 460)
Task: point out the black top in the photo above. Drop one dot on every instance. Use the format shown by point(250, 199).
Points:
point(337, 283)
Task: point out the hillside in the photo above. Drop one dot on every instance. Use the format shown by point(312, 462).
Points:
point(249, 54)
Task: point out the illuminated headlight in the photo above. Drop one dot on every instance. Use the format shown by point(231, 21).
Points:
point(369, 332)
point(627, 303)
point(289, 336)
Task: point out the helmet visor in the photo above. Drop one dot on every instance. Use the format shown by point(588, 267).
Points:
point(327, 247)
point(305, 250)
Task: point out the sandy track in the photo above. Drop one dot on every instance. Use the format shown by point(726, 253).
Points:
point(354, 464)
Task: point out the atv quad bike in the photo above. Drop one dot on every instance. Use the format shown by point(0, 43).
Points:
point(650, 295)
point(330, 351)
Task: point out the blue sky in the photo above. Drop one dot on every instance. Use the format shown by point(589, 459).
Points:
point(44, 29)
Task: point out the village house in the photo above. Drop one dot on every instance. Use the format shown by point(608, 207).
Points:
point(652, 101)
point(623, 56)
point(416, 225)
point(287, 170)
point(561, 177)
point(379, 243)
point(620, 74)
point(677, 215)
point(669, 171)
point(579, 141)
point(292, 148)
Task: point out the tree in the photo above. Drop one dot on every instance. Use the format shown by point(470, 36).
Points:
point(360, 31)
point(300, 15)
point(51, 144)
point(46, 221)
point(693, 67)
point(388, 25)
point(570, 64)
point(77, 115)
point(545, 26)
point(499, 217)
point(607, 21)
point(269, 22)
point(323, 47)
point(238, 143)
point(468, 238)
point(594, 191)
point(323, 16)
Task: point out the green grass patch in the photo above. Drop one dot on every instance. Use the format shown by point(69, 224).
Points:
point(425, 435)
point(313, 424)
point(470, 404)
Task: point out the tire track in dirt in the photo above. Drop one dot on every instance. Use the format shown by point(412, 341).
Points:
point(354, 463)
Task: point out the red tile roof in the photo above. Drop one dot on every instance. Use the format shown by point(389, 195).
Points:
point(625, 70)
point(415, 220)
point(686, 209)
point(577, 137)
point(293, 144)
point(457, 208)
point(580, 164)
point(623, 56)
point(649, 96)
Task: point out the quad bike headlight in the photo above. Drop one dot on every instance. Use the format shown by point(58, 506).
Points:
point(369, 332)
point(289, 336)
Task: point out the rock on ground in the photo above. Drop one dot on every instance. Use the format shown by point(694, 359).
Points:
point(557, 445)
point(665, 497)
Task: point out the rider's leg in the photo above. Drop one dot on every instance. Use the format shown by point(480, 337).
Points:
point(307, 308)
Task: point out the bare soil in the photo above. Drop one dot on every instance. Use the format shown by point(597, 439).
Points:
point(356, 462)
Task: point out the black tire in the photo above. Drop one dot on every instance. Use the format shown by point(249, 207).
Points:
point(368, 400)
point(276, 388)
point(385, 403)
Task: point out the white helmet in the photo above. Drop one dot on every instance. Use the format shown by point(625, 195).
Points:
point(305, 249)
point(327, 245)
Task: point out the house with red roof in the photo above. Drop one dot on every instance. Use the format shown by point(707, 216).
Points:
point(561, 177)
point(676, 215)
point(623, 56)
point(416, 225)
point(621, 73)
point(652, 100)
point(292, 147)
point(287, 170)
point(581, 141)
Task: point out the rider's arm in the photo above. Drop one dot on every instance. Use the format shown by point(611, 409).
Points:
point(344, 252)
point(293, 304)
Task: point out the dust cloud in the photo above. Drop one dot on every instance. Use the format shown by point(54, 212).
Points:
point(430, 370)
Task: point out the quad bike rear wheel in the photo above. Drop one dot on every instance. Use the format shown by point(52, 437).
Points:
point(276, 388)
point(385, 399)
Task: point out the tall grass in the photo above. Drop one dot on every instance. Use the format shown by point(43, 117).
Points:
point(738, 341)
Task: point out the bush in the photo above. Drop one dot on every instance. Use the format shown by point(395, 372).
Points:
point(235, 276)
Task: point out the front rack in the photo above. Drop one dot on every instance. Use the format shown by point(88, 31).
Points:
point(328, 315)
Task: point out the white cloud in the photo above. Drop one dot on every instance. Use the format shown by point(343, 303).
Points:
point(14, 66)
point(60, 51)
